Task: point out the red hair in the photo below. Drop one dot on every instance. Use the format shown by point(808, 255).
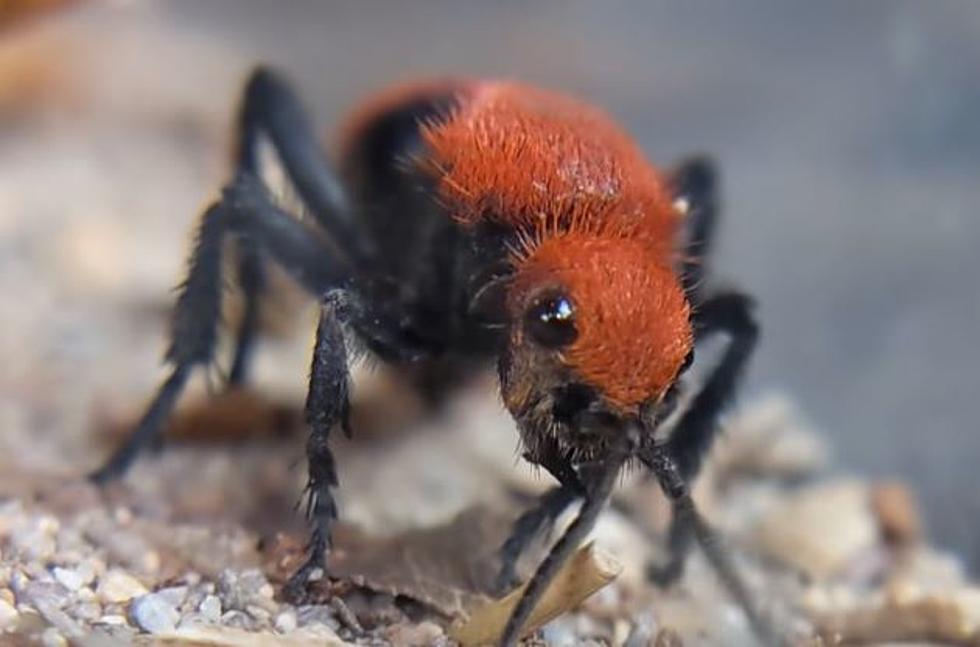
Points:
point(590, 213)
point(630, 312)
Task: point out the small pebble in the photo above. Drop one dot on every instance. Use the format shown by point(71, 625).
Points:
point(52, 638)
point(237, 620)
point(286, 622)
point(258, 613)
point(192, 619)
point(174, 595)
point(210, 608)
point(113, 619)
point(87, 611)
point(69, 578)
point(317, 614)
point(240, 589)
point(8, 614)
point(123, 515)
point(154, 613)
point(422, 634)
point(119, 586)
point(89, 569)
point(667, 637)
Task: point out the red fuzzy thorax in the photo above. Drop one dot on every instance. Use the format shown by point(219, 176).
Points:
point(542, 162)
point(592, 215)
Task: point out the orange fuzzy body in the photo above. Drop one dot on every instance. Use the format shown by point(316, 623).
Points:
point(543, 162)
point(589, 213)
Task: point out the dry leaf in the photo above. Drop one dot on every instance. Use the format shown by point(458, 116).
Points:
point(585, 573)
point(230, 416)
point(448, 567)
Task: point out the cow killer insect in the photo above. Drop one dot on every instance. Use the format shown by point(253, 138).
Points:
point(473, 220)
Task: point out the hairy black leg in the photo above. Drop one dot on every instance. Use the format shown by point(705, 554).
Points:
point(245, 210)
point(695, 182)
point(729, 313)
point(691, 439)
point(534, 521)
point(251, 279)
point(327, 405)
point(271, 107)
point(542, 517)
point(598, 480)
point(669, 474)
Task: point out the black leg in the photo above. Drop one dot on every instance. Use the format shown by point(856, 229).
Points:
point(540, 518)
point(598, 480)
point(695, 182)
point(687, 517)
point(251, 278)
point(327, 405)
point(244, 210)
point(534, 521)
point(729, 313)
point(698, 426)
point(270, 106)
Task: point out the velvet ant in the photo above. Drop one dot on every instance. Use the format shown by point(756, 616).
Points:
point(468, 221)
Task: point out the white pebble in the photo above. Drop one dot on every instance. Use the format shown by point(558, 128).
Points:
point(286, 622)
point(120, 586)
point(153, 613)
point(52, 638)
point(123, 515)
point(8, 614)
point(174, 595)
point(68, 578)
point(210, 608)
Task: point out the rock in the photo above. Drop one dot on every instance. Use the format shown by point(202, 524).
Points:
point(87, 611)
point(174, 595)
point(52, 638)
point(119, 586)
point(286, 622)
point(69, 578)
point(8, 614)
point(49, 598)
point(36, 540)
point(667, 637)
point(154, 613)
point(317, 614)
point(821, 529)
point(237, 620)
point(250, 587)
point(210, 608)
point(259, 614)
point(420, 635)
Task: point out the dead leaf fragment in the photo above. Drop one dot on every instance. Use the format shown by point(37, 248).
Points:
point(585, 573)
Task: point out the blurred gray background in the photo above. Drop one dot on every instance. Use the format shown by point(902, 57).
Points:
point(849, 138)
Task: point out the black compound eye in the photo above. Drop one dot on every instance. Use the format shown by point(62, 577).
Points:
point(551, 321)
